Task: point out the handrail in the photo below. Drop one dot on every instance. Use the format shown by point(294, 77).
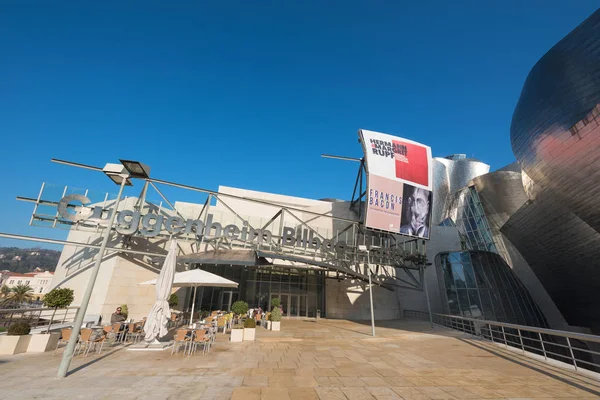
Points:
point(37, 317)
point(545, 331)
point(583, 354)
point(20, 310)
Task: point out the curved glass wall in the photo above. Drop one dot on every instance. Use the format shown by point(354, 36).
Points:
point(479, 284)
point(467, 214)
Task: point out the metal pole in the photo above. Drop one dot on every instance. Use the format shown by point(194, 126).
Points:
point(70, 349)
point(427, 296)
point(371, 293)
point(193, 304)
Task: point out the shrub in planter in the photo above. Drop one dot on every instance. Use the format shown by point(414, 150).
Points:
point(249, 329)
point(239, 307)
point(124, 310)
point(275, 303)
point(17, 339)
point(237, 333)
point(275, 318)
point(173, 300)
point(19, 328)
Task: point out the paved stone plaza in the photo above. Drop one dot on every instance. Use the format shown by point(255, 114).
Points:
point(331, 359)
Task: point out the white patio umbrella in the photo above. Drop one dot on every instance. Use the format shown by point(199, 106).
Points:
point(194, 278)
point(156, 324)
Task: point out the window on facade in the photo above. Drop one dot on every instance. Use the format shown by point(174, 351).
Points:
point(41, 290)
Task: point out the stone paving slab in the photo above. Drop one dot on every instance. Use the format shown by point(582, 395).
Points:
point(331, 359)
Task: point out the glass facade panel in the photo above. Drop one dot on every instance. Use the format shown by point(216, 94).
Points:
point(479, 284)
point(301, 290)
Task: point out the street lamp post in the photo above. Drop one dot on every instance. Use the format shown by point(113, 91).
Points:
point(120, 174)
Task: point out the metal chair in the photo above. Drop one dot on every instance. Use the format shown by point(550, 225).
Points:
point(200, 339)
point(132, 332)
point(65, 335)
point(181, 336)
point(87, 341)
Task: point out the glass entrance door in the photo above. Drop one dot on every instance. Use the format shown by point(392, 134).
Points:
point(303, 305)
point(294, 305)
point(293, 309)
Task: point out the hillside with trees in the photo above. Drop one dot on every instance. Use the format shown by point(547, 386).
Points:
point(26, 260)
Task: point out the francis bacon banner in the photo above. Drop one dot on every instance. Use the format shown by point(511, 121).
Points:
point(399, 182)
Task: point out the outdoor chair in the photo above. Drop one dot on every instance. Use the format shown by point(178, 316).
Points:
point(118, 334)
point(87, 341)
point(133, 333)
point(199, 339)
point(65, 335)
point(181, 337)
point(222, 323)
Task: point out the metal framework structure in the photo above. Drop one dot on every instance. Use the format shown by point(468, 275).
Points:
point(394, 266)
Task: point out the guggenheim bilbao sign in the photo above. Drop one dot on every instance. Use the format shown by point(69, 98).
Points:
point(131, 222)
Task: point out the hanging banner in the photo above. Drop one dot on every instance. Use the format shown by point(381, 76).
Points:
point(399, 182)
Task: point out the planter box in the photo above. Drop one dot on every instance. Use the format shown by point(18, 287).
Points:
point(267, 325)
point(42, 342)
point(237, 335)
point(249, 334)
point(275, 326)
point(10, 344)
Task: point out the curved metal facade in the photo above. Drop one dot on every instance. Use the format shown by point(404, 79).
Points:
point(450, 175)
point(555, 135)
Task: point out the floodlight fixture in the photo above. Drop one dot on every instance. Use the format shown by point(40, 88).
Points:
point(117, 173)
point(136, 169)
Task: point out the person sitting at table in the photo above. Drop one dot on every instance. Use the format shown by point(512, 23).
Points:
point(117, 317)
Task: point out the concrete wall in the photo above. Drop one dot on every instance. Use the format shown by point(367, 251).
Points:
point(349, 299)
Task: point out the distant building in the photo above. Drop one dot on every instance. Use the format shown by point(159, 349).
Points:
point(38, 281)
point(17, 258)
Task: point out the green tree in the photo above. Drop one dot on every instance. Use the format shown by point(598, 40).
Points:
point(4, 291)
point(20, 294)
point(124, 310)
point(58, 298)
point(173, 300)
point(275, 303)
point(239, 307)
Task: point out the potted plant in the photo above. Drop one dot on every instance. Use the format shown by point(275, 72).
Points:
point(56, 298)
point(17, 339)
point(173, 300)
point(239, 308)
point(237, 333)
point(275, 303)
point(249, 329)
point(124, 310)
point(275, 319)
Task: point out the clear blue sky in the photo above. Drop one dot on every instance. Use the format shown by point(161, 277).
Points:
point(250, 93)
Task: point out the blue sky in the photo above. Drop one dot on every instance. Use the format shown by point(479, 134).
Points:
point(250, 93)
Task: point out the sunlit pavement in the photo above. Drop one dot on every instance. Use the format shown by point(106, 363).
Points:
point(329, 359)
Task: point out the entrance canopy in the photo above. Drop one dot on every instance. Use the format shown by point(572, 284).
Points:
point(197, 277)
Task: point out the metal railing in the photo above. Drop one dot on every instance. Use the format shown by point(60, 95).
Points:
point(37, 317)
point(580, 350)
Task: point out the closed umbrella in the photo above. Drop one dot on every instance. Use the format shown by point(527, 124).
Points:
point(194, 278)
point(156, 324)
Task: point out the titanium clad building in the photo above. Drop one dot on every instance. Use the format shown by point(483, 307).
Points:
point(555, 135)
